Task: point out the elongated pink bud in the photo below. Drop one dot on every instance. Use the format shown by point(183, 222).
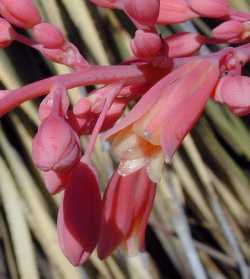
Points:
point(230, 30)
point(210, 8)
point(22, 13)
point(145, 12)
point(146, 44)
point(55, 146)
point(183, 44)
point(175, 11)
point(6, 33)
point(48, 35)
point(234, 91)
point(79, 216)
point(127, 204)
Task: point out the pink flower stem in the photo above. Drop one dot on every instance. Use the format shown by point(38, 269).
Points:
point(89, 76)
point(57, 98)
point(115, 89)
point(26, 41)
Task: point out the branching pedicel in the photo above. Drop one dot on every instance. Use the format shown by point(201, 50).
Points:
point(172, 82)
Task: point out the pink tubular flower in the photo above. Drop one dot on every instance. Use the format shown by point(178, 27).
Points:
point(22, 13)
point(79, 215)
point(230, 30)
point(166, 113)
point(128, 201)
point(48, 35)
point(234, 91)
point(175, 11)
point(210, 8)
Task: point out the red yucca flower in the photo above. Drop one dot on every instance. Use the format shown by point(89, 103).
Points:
point(169, 82)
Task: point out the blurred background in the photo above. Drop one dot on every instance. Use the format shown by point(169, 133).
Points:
point(200, 224)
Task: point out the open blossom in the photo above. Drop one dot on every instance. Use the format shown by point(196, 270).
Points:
point(165, 114)
point(127, 204)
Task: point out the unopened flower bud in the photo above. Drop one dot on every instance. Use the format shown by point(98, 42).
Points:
point(183, 44)
point(22, 13)
point(56, 146)
point(210, 8)
point(230, 30)
point(48, 35)
point(146, 44)
point(6, 33)
point(145, 12)
point(233, 91)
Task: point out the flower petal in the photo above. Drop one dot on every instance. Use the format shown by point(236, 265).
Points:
point(185, 104)
point(72, 249)
point(118, 212)
point(144, 197)
point(82, 208)
point(151, 97)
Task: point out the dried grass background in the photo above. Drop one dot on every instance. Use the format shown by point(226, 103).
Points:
point(200, 224)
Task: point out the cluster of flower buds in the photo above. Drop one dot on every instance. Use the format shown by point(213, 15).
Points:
point(170, 83)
